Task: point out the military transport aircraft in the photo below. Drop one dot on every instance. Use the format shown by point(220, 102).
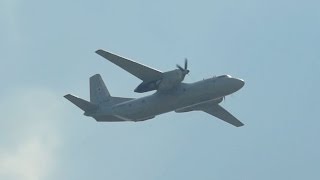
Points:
point(171, 94)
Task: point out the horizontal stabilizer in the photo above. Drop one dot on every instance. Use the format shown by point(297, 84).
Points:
point(82, 104)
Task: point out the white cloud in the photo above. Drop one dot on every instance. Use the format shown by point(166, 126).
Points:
point(30, 120)
point(30, 160)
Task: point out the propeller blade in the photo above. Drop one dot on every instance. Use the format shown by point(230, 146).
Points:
point(184, 70)
point(185, 63)
point(179, 67)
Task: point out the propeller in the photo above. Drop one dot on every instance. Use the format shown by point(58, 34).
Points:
point(184, 70)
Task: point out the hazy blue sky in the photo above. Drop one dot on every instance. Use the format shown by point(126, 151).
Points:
point(47, 50)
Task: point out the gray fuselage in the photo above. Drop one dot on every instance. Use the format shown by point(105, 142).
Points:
point(183, 95)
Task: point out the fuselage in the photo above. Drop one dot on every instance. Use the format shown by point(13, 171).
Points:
point(183, 95)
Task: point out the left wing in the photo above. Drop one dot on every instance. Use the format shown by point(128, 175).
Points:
point(141, 71)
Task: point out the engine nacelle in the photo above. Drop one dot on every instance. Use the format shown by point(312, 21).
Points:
point(171, 79)
point(168, 81)
point(148, 86)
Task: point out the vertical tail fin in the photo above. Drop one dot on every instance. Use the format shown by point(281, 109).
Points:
point(98, 90)
point(99, 96)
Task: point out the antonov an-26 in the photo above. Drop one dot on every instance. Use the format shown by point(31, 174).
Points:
point(171, 94)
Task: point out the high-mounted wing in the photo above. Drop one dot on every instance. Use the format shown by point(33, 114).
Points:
point(219, 112)
point(141, 71)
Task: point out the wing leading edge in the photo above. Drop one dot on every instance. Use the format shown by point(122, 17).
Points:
point(141, 71)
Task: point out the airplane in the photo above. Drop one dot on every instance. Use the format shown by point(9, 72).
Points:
point(171, 94)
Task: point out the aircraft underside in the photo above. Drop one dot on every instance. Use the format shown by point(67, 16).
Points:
point(171, 94)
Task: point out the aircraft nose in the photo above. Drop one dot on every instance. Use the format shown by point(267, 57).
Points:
point(238, 83)
point(229, 85)
point(241, 83)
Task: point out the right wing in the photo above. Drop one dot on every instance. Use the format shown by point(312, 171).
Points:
point(142, 72)
point(222, 114)
point(213, 108)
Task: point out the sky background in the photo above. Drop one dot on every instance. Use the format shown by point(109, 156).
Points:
point(47, 51)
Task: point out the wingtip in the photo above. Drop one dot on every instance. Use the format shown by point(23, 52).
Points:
point(240, 125)
point(99, 51)
point(68, 96)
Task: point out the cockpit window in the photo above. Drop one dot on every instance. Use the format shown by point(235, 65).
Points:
point(224, 76)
